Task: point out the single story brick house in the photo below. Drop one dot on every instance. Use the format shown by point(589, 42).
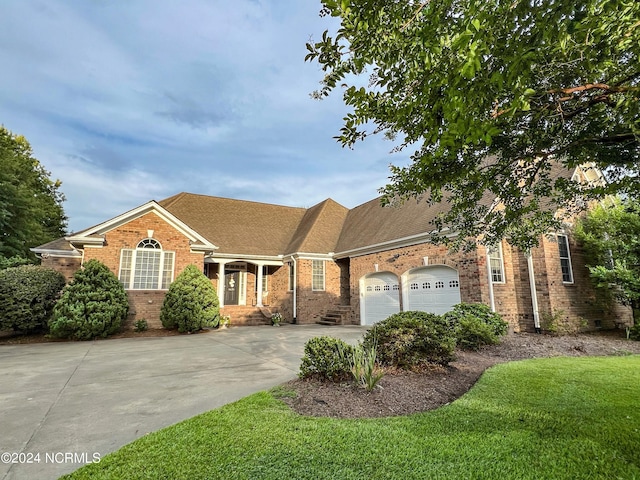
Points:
point(328, 263)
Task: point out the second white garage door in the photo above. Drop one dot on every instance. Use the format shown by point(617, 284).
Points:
point(433, 289)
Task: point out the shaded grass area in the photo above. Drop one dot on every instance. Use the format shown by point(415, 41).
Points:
point(559, 418)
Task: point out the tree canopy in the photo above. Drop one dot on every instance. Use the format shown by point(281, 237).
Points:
point(491, 97)
point(31, 212)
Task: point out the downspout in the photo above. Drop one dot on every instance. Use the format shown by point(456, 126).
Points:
point(534, 294)
point(492, 301)
point(295, 289)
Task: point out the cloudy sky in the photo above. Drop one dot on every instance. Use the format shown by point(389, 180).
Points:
point(128, 101)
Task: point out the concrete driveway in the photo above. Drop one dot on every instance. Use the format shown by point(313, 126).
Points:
point(65, 404)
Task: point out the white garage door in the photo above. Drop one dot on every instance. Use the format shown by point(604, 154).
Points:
point(432, 289)
point(380, 297)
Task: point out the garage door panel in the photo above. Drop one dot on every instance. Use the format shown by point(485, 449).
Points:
point(381, 297)
point(433, 289)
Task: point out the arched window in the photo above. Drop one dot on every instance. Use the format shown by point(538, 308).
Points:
point(147, 267)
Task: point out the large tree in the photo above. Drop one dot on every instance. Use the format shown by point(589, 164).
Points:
point(31, 210)
point(490, 96)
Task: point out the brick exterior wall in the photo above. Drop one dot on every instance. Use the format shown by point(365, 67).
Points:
point(145, 304)
point(311, 305)
point(577, 304)
point(130, 234)
point(471, 270)
point(280, 298)
point(65, 265)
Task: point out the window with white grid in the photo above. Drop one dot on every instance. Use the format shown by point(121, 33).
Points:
point(317, 275)
point(565, 259)
point(147, 267)
point(496, 263)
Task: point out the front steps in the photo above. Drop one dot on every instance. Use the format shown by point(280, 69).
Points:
point(245, 315)
point(335, 316)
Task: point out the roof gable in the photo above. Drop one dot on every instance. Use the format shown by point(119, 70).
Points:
point(319, 229)
point(95, 235)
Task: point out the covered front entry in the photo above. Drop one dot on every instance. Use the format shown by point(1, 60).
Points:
point(434, 289)
point(231, 287)
point(379, 297)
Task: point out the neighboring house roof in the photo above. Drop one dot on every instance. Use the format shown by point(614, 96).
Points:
point(237, 226)
point(60, 246)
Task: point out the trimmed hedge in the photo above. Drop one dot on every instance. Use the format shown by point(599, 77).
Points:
point(191, 303)
point(326, 358)
point(27, 297)
point(409, 339)
point(93, 305)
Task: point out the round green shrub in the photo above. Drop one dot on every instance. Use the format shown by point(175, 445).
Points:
point(409, 339)
point(326, 358)
point(191, 302)
point(472, 333)
point(27, 296)
point(93, 305)
point(474, 325)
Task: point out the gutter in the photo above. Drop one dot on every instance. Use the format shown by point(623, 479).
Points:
point(534, 294)
point(492, 301)
point(295, 289)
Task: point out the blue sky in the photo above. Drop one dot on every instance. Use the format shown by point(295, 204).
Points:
point(128, 101)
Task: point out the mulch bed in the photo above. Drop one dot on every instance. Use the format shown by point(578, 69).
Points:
point(403, 392)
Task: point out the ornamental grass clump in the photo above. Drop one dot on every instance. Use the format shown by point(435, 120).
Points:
point(27, 296)
point(362, 364)
point(93, 305)
point(411, 339)
point(191, 303)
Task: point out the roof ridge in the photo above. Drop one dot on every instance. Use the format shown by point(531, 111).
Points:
point(234, 200)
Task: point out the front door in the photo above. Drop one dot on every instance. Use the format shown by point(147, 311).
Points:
point(231, 287)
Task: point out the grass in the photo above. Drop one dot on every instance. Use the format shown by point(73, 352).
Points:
point(560, 418)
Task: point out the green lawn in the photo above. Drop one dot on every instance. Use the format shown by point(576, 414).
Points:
point(557, 418)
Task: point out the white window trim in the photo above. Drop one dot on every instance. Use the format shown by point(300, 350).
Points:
point(132, 267)
point(568, 258)
point(498, 249)
point(317, 275)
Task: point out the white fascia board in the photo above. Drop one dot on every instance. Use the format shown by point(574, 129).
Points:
point(85, 241)
point(275, 260)
point(391, 244)
point(138, 212)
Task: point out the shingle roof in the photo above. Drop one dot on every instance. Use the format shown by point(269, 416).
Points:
point(371, 223)
point(237, 226)
point(60, 244)
point(252, 228)
point(319, 229)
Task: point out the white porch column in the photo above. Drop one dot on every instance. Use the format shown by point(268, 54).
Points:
point(221, 265)
point(259, 282)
